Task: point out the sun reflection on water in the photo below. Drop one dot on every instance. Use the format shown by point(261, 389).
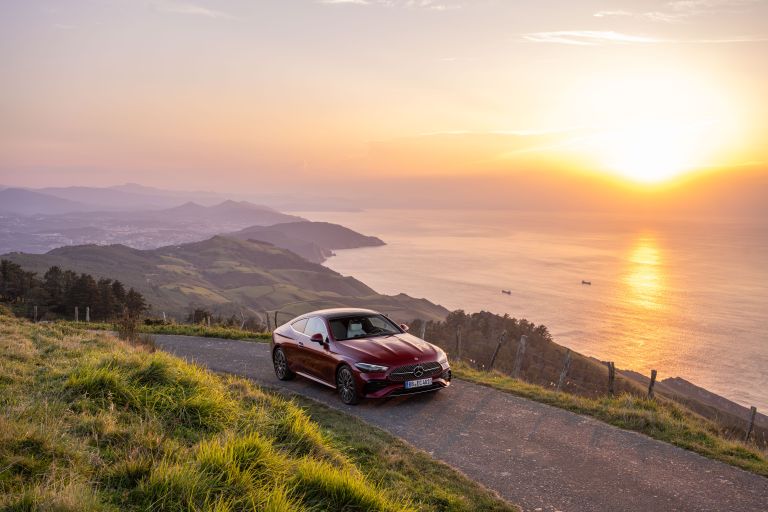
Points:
point(643, 293)
point(644, 279)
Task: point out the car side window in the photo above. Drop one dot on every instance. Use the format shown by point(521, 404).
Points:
point(300, 325)
point(316, 325)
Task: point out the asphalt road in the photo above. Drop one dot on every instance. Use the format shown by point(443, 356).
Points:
point(539, 457)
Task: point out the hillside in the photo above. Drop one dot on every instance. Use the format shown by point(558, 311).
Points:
point(92, 423)
point(314, 241)
point(227, 276)
point(19, 201)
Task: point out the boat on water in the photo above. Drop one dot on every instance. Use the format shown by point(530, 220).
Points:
point(506, 292)
point(586, 282)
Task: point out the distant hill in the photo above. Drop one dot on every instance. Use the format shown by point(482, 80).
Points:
point(143, 229)
point(228, 276)
point(197, 195)
point(229, 212)
point(109, 199)
point(20, 201)
point(315, 241)
point(129, 197)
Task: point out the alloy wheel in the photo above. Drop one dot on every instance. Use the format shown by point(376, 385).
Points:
point(281, 365)
point(345, 382)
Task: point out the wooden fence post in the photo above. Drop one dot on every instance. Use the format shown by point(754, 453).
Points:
point(496, 352)
point(752, 413)
point(164, 317)
point(276, 319)
point(458, 343)
point(611, 378)
point(77, 314)
point(87, 314)
point(269, 326)
point(653, 383)
point(566, 367)
point(208, 320)
point(424, 330)
point(519, 356)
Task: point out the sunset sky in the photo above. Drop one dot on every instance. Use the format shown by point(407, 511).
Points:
point(227, 95)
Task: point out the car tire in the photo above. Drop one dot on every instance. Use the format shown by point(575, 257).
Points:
point(346, 386)
point(280, 363)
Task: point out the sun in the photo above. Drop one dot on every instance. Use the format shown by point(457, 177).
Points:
point(651, 126)
point(652, 152)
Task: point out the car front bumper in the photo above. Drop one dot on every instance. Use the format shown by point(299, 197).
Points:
point(373, 386)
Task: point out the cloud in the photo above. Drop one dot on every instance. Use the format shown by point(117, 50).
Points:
point(679, 10)
point(598, 37)
point(587, 37)
point(191, 9)
point(432, 5)
point(353, 2)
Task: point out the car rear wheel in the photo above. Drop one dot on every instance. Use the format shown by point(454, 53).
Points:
point(281, 365)
point(345, 384)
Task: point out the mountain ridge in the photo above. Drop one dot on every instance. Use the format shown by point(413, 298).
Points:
point(227, 275)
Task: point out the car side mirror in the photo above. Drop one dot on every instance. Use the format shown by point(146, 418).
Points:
point(318, 338)
point(404, 327)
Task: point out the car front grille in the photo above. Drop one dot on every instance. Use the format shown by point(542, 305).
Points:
point(408, 372)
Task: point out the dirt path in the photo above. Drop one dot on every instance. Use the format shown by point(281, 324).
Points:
point(537, 456)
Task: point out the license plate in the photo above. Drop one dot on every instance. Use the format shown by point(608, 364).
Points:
point(410, 384)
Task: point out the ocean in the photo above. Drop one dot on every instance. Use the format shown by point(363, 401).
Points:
point(688, 298)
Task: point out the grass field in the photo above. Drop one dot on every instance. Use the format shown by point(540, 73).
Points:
point(88, 422)
point(214, 331)
point(660, 419)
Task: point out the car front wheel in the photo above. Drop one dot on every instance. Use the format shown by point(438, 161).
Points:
point(281, 365)
point(345, 383)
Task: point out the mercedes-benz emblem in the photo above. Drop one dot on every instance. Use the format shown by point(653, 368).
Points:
point(418, 371)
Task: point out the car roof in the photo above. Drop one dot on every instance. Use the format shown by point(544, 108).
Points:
point(336, 312)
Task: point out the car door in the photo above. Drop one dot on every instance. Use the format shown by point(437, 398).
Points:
point(318, 359)
point(294, 348)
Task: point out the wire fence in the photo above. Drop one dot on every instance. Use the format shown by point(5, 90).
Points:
point(539, 361)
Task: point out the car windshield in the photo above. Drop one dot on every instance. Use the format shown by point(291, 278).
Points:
point(362, 326)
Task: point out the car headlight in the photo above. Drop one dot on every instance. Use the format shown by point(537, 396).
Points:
point(366, 367)
point(443, 359)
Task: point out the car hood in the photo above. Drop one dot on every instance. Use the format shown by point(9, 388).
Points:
point(390, 350)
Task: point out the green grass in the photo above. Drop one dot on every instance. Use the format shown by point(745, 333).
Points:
point(88, 422)
point(660, 419)
point(214, 331)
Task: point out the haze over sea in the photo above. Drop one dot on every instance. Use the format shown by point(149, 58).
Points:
point(685, 297)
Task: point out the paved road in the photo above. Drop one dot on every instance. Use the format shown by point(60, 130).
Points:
point(537, 456)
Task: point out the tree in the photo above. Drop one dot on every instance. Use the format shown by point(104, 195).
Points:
point(105, 307)
point(15, 283)
point(83, 293)
point(135, 303)
point(118, 292)
point(54, 284)
point(60, 291)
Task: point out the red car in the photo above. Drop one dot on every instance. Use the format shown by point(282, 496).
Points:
point(360, 353)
